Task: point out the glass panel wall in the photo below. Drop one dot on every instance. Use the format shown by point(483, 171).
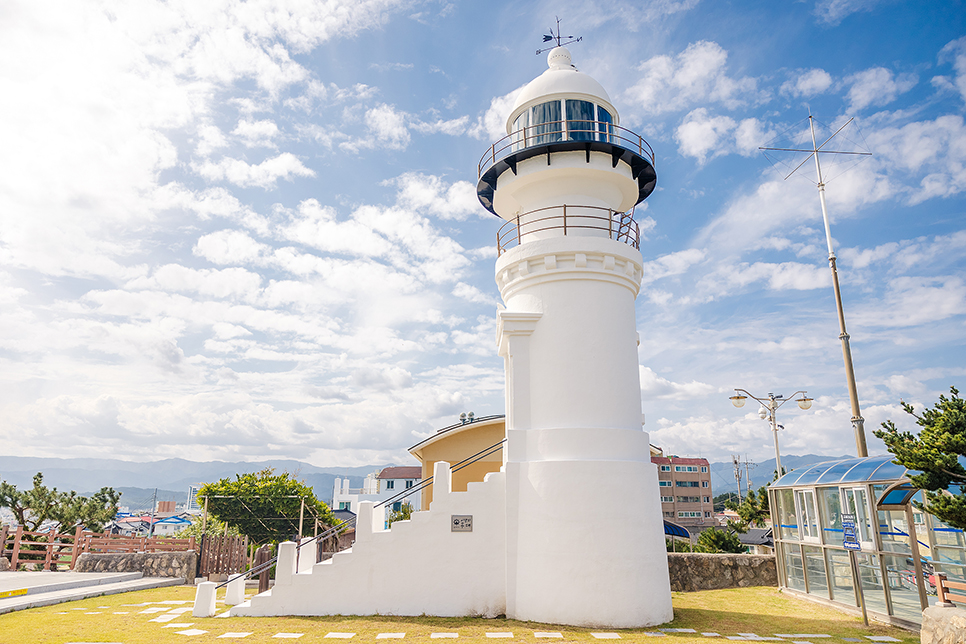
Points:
point(807, 514)
point(894, 531)
point(856, 501)
point(815, 568)
point(794, 571)
point(605, 127)
point(872, 589)
point(901, 575)
point(786, 515)
point(840, 576)
point(545, 123)
point(580, 120)
point(831, 502)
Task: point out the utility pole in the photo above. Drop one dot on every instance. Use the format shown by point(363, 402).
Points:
point(747, 473)
point(736, 461)
point(154, 509)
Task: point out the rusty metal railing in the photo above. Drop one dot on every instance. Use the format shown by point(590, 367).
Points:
point(561, 131)
point(572, 220)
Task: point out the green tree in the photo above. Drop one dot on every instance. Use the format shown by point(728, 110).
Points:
point(720, 500)
point(404, 513)
point(677, 545)
point(63, 510)
point(213, 528)
point(935, 452)
point(264, 506)
point(753, 509)
point(712, 540)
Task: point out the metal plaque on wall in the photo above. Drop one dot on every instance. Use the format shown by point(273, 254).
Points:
point(462, 523)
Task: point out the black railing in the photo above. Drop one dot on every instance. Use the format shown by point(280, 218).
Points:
point(565, 130)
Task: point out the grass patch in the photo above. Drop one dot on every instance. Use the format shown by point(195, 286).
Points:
point(763, 611)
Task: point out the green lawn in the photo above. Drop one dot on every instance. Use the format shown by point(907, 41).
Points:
point(763, 611)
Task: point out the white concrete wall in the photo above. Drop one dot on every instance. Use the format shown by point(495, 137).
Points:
point(418, 567)
point(569, 339)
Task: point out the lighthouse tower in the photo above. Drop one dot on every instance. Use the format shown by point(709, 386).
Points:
point(584, 530)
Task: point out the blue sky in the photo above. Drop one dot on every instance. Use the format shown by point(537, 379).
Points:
point(238, 230)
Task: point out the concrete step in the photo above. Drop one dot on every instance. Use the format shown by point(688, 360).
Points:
point(45, 582)
point(50, 597)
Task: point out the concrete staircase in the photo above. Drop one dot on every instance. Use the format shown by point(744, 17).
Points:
point(20, 590)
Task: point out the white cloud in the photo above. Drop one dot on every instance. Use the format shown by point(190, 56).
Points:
point(913, 301)
point(492, 125)
point(877, 86)
point(256, 133)
point(833, 12)
point(228, 247)
point(654, 387)
point(700, 134)
point(697, 75)
point(807, 83)
point(210, 138)
point(955, 52)
point(427, 193)
point(262, 175)
point(674, 263)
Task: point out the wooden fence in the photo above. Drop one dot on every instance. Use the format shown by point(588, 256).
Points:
point(53, 549)
point(223, 555)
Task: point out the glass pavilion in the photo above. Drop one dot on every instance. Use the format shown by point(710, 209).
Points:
point(899, 547)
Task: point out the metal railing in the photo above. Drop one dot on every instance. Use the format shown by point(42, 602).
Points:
point(488, 451)
point(619, 226)
point(561, 131)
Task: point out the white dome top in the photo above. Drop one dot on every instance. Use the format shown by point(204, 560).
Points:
point(560, 80)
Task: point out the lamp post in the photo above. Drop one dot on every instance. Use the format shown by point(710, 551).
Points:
point(769, 406)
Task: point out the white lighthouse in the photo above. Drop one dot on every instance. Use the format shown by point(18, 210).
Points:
point(569, 530)
point(585, 537)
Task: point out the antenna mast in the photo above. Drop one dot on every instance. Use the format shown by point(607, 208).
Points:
point(858, 423)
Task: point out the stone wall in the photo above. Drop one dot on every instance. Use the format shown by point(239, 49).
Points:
point(942, 625)
point(691, 571)
point(150, 564)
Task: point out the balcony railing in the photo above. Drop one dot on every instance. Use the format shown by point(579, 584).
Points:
point(562, 131)
point(589, 221)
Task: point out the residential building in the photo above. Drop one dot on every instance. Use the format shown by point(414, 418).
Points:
point(685, 487)
point(378, 487)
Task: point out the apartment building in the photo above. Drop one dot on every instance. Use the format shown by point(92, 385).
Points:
point(685, 485)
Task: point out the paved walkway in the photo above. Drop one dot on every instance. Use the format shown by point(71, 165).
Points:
point(20, 590)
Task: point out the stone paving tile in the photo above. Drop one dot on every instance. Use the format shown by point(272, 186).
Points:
point(443, 635)
point(340, 636)
point(122, 612)
point(188, 625)
point(227, 613)
point(191, 632)
point(233, 635)
point(499, 634)
point(95, 612)
point(605, 636)
point(549, 635)
point(174, 601)
point(153, 609)
point(851, 639)
point(164, 618)
point(806, 636)
point(390, 636)
point(800, 642)
point(678, 630)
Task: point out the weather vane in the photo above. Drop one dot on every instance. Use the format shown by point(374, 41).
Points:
point(556, 36)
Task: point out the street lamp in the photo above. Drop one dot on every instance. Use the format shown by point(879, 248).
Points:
point(769, 406)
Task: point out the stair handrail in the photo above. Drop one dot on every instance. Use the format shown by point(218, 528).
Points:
point(487, 451)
